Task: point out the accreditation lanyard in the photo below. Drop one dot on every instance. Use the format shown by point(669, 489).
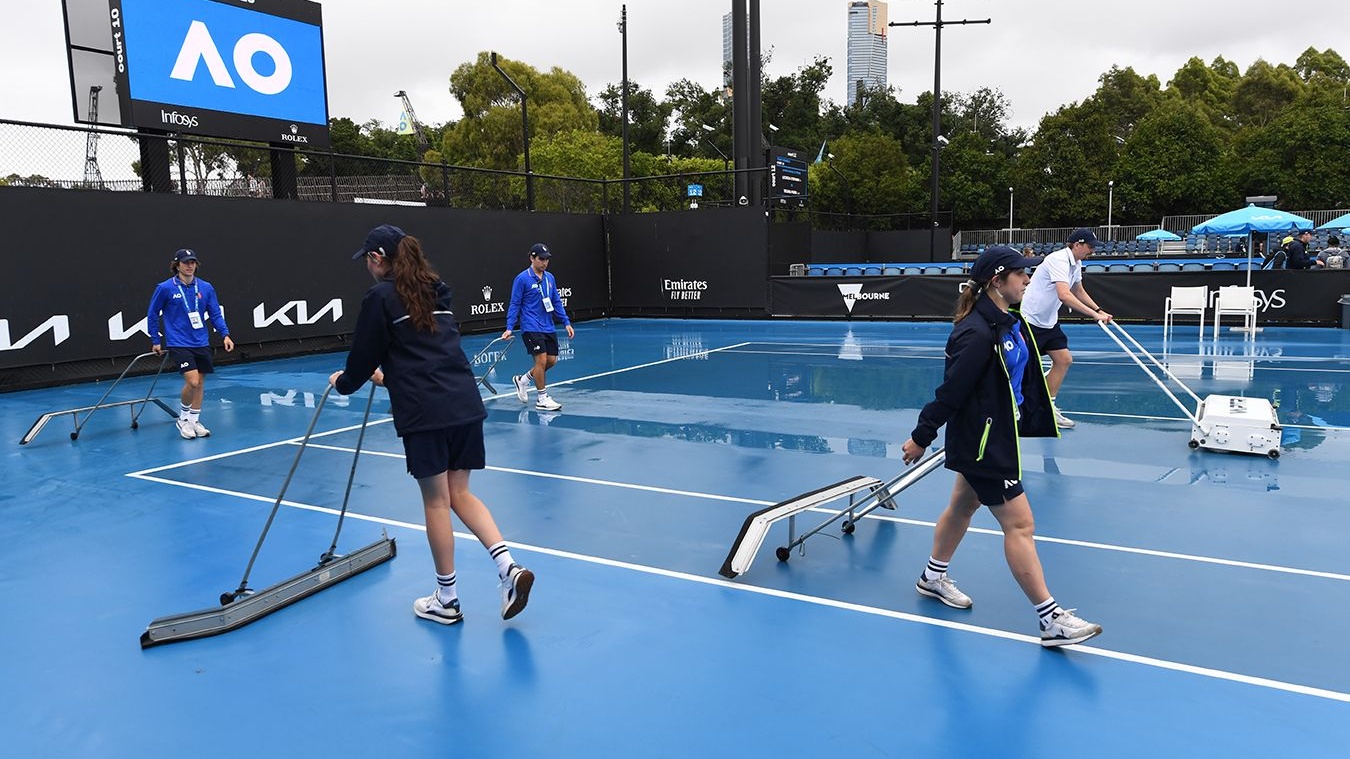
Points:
point(194, 316)
point(543, 292)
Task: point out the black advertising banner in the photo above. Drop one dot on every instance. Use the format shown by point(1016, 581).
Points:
point(282, 269)
point(1293, 298)
point(708, 258)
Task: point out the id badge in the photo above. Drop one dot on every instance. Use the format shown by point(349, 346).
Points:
point(195, 318)
point(548, 304)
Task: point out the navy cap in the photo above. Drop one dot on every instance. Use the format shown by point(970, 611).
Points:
point(185, 254)
point(384, 238)
point(1084, 235)
point(540, 250)
point(998, 259)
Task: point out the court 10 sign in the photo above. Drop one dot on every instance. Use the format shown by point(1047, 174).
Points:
point(787, 178)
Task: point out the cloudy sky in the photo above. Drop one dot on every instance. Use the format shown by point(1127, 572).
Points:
point(1040, 53)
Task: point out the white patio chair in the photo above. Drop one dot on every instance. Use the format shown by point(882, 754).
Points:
point(1235, 300)
point(1185, 301)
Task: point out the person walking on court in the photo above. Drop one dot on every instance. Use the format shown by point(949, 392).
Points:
point(1059, 281)
point(535, 306)
point(407, 340)
point(186, 303)
point(992, 393)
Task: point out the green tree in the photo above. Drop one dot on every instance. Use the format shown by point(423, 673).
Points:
point(793, 104)
point(692, 106)
point(871, 176)
point(1209, 88)
point(489, 135)
point(1173, 164)
point(1299, 156)
point(1263, 92)
point(647, 117)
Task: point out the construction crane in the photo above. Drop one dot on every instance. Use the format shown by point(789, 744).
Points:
point(412, 119)
point(93, 176)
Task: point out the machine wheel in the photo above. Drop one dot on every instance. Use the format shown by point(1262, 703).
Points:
point(135, 425)
point(782, 553)
point(74, 436)
point(847, 527)
point(226, 599)
point(1193, 444)
point(1274, 453)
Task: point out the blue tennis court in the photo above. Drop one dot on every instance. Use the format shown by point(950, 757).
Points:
point(1221, 580)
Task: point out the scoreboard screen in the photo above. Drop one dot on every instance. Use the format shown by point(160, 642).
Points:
point(787, 177)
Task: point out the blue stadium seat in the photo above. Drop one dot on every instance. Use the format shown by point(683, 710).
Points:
point(1094, 267)
point(853, 271)
point(953, 269)
point(1118, 267)
point(871, 271)
point(1224, 266)
point(1192, 266)
point(1141, 267)
point(815, 271)
point(932, 270)
point(834, 271)
point(1169, 266)
point(889, 270)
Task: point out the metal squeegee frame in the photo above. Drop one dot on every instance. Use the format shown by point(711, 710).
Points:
point(1189, 414)
point(242, 606)
point(483, 379)
point(137, 405)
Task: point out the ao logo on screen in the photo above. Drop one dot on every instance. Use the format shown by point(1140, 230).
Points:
point(200, 48)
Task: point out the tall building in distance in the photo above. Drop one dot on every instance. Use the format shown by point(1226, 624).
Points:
point(726, 52)
point(866, 46)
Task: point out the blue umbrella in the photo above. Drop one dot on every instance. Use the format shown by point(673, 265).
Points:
point(1158, 234)
point(1340, 222)
point(1248, 220)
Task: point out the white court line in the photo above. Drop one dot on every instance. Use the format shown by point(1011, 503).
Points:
point(901, 520)
point(1148, 661)
point(387, 420)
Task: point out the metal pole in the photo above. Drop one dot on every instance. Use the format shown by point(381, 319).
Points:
point(623, 30)
point(937, 129)
point(1010, 207)
point(525, 132)
point(1110, 202)
point(740, 95)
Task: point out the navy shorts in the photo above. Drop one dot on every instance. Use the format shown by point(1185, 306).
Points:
point(994, 491)
point(1049, 338)
point(540, 342)
point(191, 359)
point(432, 452)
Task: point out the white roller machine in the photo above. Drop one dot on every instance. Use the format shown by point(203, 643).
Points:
point(1219, 422)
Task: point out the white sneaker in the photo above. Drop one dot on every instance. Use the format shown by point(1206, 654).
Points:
point(546, 403)
point(522, 389)
point(1063, 422)
point(1066, 629)
point(516, 590)
point(186, 429)
point(944, 590)
point(200, 430)
point(432, 609)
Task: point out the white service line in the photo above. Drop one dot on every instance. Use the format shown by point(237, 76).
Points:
point(387, 419)
point(1147, 661)
point(901, 520)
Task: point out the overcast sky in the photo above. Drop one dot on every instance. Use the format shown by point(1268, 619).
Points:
point(1041, 53)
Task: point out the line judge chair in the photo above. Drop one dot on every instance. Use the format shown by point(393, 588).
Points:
point(1235, 300)
point(1185, 301)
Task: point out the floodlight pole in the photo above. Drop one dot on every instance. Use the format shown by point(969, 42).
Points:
point(623, 30)
point(1010, 209)
point(1110, 204)
point(937, 25)
point(525, 132)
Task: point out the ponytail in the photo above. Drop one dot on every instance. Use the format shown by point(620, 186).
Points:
point(965, 302)
point(415, 282)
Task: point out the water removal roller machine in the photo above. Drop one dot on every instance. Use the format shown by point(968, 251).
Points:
point(244, 605)
point(1219, 422)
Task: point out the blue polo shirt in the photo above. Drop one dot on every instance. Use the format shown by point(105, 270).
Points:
point(173, 300)
point(527, 303)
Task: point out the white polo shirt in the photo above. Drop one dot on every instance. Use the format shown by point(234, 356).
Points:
point(1040, 306)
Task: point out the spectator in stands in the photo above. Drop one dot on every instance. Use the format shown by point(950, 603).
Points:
point(1028, 252)
point(254, 187)
point(992, 392)
point(1331, 257)
point(1059, 281)
point(1299, 258)
point(407, 340)
point(187, 304)
point(535, 306)
point(1277, 256)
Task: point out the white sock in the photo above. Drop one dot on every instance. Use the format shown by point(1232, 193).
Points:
point(1046, 611)
point(445, 588)
point(183, 411)
point(935, 569)
point(502, 556)
point(194, 414)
